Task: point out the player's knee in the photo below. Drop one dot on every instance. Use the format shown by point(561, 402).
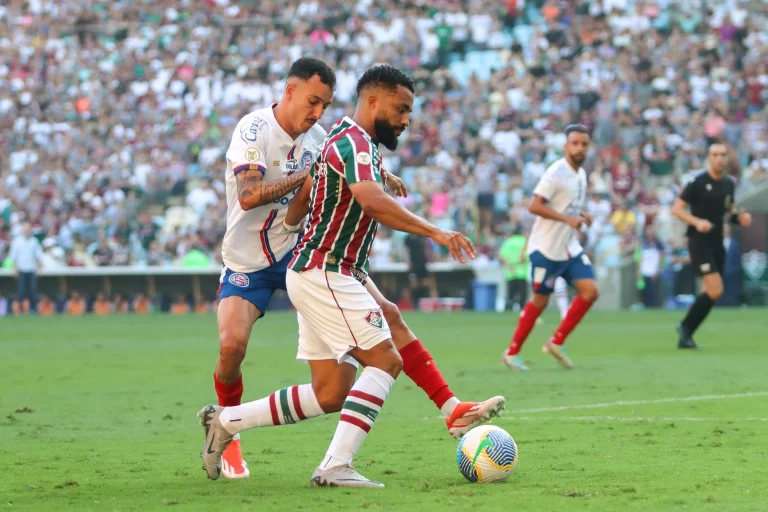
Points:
point(232, 346)
point(392, 314)
point(392, 363)
point(329, 398)
point(592, 294)
point(715, 292)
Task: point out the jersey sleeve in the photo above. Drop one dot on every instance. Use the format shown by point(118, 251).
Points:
point(360, 160)
point(690, 192)
point(547, 186)
point(248, 149)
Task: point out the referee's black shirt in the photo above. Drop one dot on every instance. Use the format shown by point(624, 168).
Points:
point(709, 199)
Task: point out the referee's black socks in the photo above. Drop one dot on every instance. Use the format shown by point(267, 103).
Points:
point(698, 312)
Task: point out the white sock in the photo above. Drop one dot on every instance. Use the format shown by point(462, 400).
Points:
point(449, 406)
point(357, 416)
point(561, 294)
point(282, 407)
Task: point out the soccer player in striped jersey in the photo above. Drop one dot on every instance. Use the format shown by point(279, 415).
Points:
point(340, 321)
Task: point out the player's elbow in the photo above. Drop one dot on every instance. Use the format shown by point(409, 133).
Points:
point(250, 202)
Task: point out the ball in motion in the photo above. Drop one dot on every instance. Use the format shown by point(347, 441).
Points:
point(487, 454)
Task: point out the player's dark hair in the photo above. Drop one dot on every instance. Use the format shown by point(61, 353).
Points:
point(576, 128)
point(385, 76)
point(307, 67)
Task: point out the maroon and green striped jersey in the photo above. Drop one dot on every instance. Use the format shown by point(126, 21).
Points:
point(339, 234)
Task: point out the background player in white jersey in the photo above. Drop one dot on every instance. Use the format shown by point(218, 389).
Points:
point(268, 159)
point(339, 318)
point(559, 201)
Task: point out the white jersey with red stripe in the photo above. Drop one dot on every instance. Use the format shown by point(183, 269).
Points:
point(256, 239)
point(565, 190)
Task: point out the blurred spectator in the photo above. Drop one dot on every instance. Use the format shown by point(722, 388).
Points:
point(651, 256)
point(26, 256)
point(513, 256)
point(732, 268)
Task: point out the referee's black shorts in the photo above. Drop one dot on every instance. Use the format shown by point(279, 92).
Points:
point(707, 255)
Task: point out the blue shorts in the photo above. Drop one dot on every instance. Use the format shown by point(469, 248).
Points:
point(255, 287)
point(544, 271)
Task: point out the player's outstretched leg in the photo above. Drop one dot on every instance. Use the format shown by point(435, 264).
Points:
point(712, 289)
point(331, 381)
point(527, 321)
point(588, 295)
point(561, 295)
point(418, 365)
point(363, 404)
point(235, 317)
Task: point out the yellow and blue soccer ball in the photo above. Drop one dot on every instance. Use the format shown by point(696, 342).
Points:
point(487, 454)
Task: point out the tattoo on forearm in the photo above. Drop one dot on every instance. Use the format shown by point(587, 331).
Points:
point(252, 189)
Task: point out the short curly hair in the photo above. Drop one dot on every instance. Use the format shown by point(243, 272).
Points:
point(386, 76)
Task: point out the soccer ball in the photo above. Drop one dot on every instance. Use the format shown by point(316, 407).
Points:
point(487, 454)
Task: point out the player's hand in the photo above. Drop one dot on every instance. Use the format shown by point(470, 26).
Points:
point(588, 218)
point(397, 185)
point(458, 245)
point(745, 218)
point(703, 226)
point(292, 229)
point(576, 222)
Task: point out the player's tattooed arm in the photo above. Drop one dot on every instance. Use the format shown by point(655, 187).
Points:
point(253, 191)
point(299, 207)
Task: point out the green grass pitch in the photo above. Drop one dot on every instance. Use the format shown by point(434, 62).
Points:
point(100, 414)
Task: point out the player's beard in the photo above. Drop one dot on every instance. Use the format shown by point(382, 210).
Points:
point(385, 133)
point(577, 159)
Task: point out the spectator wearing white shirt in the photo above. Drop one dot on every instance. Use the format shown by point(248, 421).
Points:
point(201, 197)
point(26, 254)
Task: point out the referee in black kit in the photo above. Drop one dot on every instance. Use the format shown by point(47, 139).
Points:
point(709, 195)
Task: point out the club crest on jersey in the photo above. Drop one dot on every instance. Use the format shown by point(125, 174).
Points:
point(375, 318)
point(363, 158)
point(306, 160)
point(240, 280)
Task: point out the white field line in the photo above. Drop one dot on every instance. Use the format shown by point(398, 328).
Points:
point(638, 402)
point(637, 419)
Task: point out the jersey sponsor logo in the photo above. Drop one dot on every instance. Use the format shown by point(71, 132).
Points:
point(291, 166)
point(252, 154)
point(755, 263)
point(251, 132)
point(375, 318)
point(364, 158)
point(306, 160)
point(240, 280)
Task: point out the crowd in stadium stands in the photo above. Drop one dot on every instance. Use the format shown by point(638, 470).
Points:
point(115, 115)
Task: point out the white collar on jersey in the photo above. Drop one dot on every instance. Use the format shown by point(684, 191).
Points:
point(350, 121)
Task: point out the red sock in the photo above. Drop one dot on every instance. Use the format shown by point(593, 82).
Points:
point(524, 327)
point(229, 394)
point(419, 366)
point(576, 312)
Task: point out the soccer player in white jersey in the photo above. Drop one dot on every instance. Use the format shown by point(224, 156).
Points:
point(559, 202)
point(267, 161)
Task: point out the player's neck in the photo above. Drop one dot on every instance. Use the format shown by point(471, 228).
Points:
point(365, 125)
point(282, 120)
point(715, 175)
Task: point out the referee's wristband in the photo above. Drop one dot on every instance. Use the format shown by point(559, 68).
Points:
point(735, 218)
